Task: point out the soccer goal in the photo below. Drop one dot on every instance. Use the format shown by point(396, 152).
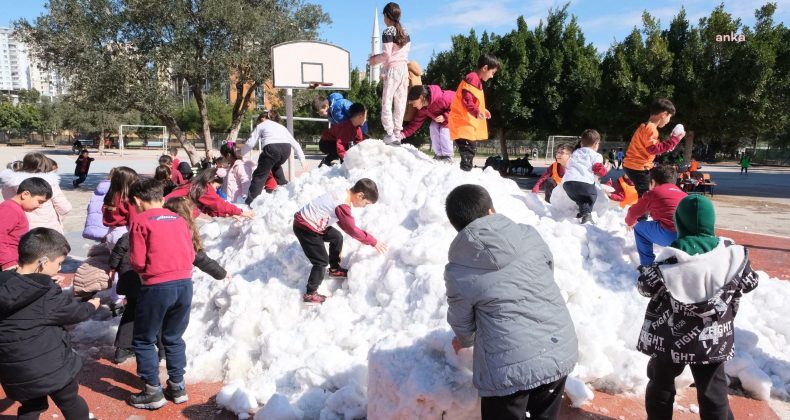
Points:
point(132, 138)
point(555, 141)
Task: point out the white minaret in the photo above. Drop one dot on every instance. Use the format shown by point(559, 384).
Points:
point(375, 48)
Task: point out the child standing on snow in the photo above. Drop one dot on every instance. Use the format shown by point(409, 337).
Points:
point(395, 57)
point(584, 166)
point(694, 291)
point(522, 352)
point(433, 103)
point(468, 112)
point(313, 226)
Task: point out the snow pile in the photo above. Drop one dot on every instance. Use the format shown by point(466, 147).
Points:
point(380, 345)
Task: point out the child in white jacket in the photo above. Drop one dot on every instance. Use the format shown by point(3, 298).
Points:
point(584, 166)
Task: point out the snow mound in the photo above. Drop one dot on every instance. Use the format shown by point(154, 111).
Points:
point(380, 345)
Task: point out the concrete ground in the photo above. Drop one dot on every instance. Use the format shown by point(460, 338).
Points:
point(745, 205)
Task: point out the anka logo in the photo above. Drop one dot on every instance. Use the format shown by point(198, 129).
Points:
point(731, 37)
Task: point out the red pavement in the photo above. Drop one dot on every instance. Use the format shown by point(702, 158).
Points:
point(106, 386)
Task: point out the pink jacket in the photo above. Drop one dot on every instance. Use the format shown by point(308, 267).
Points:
point(237, 181)
point(50, 215)
point(391, 53)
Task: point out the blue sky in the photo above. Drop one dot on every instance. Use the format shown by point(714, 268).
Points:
point(431, 23)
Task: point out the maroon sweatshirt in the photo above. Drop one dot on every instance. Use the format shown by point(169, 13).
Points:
point(469, 100)
point(209, 203)
point(344, 135)
point(119, 213)
point(160, 246)
point(13, 224)
point(660, 202)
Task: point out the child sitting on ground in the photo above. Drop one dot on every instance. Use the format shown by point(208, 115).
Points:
point(554, 173)
point(313, 226)
point(31, 194)
point(161, 251)
point(523, 352)
point(694, 291)
point(36, 360)
point(660, 202)
point(337, 139)
point(584, 167)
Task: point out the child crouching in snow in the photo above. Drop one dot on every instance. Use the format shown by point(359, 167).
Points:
point(694, 288)
point(503, 301)
point(584, 167)
point(313, 226)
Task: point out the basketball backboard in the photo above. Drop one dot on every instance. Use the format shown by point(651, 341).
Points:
point(310, 65)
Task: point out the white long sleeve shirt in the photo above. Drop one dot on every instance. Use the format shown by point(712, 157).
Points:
point(269, 132)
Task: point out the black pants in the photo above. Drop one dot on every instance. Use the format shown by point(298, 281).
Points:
point(80, 179)
point(313, 247)
point(743, 168)
point(467, 151)
point(549, 186)
point(711, 385)
point(641, 180)
point(329, 148)
point(542, 403)
point(271, 159)
point(67, 399)
point(583, 194)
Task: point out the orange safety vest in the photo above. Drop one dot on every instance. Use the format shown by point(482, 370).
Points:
point(694, 167)
point(462, 124)
point(637, 157)
point(630, 196)
point(555, 173)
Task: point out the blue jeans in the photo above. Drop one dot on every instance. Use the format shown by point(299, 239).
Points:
point(162, 307)
point(646, 234)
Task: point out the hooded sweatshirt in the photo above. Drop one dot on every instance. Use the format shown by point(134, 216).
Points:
point(503, 300)
point(694, 295)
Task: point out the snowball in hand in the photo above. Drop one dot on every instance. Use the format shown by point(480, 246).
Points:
point(678, 131)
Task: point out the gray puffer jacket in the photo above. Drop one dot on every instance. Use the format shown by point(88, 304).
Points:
point(504, 301)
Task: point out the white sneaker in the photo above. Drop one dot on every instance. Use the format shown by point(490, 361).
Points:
point(388, 139)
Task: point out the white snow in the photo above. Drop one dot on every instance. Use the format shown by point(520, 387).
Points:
point(380, 345)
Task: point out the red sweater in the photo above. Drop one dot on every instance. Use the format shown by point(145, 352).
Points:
point(660, 202)
point(209, 203)
point(469, 100)
point(13, 224)
point(160, 247)
point(344, 135)
point(118, 214)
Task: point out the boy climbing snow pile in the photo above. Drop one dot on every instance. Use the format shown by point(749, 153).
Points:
point(694, 290)
point(337, 139)
point(313, 226)
point(584, 167)
point(502, 299)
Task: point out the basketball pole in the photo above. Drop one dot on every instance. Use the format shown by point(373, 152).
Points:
point(289, 113)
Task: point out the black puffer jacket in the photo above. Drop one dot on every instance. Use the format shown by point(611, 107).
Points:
point(35, 356)
point(129, 282)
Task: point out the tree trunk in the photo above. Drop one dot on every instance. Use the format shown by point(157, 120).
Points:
point(688, 146)
point(101, 142)
point(240, 108)
point(200, 99)
point(172, 126)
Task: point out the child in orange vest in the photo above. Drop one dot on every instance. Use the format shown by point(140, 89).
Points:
point(624, 191)
point(645, 144)
point(554, 173)
point(468, 113)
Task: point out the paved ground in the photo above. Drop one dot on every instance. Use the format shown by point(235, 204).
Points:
point(745, 206)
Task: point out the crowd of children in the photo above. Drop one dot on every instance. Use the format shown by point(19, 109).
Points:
point(522, 353)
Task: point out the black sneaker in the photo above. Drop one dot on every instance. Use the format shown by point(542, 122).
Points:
point(176, 392)
point(152, 398)
point(587, 218)
point(116, 309)
point(122, 355)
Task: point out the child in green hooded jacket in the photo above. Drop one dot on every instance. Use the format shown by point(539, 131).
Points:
point(695, 286)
